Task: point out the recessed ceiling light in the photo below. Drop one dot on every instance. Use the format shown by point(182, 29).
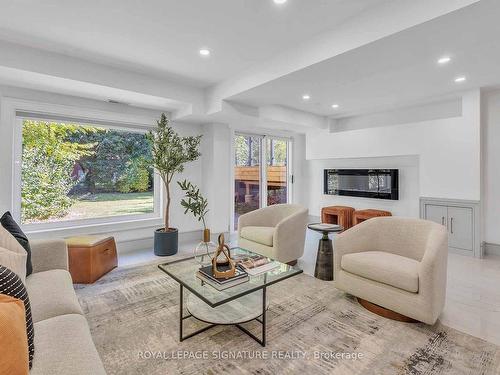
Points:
point(306, 97)
point(460, 79)
point(444, 60)
point(279, 2)
point(335, 106)
point(205, 52)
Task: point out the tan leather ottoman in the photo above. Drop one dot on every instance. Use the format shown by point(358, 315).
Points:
point(341, 215)
point(362, 215)
point(91, 257)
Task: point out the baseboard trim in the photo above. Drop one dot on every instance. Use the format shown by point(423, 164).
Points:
point(491, 248)
point(468, 253)
point(146, 243)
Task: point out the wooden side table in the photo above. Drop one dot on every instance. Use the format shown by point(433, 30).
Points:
point(341, 215)
point(91, 257)
point(362, 215)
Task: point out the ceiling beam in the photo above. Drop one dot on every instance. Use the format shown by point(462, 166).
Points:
point(374, 24)
point(45, 70)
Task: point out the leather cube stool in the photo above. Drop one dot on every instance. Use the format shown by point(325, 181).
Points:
point(91, 257)
point(362, 215)
point(341, 215)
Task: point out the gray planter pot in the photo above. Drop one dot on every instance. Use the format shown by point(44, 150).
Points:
point(166, 243)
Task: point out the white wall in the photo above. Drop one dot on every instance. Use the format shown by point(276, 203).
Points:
point(491, 166)
point(407, 205)
point(216, 175)
point(448, 149)
point(407, 115)
point(140, 232)
point(301, 185)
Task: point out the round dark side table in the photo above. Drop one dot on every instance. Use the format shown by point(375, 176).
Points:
point(324, 259)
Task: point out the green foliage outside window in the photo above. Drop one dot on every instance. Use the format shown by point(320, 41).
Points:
point(63, 162)
point(135, 178)
point(121, 161)
point(47, 164)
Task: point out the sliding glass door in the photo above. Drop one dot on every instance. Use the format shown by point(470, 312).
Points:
point(247, 175)
point(261, 173)
point(276, 171)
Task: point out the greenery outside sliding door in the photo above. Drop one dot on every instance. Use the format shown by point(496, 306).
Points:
point(261, 173)
point(247, 174)
point(276, 170)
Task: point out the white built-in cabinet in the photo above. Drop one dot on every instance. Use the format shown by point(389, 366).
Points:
point(461, 219)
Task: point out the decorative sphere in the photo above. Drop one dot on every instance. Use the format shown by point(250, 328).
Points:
point(204, 253)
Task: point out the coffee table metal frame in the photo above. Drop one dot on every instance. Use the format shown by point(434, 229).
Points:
point(261, 319)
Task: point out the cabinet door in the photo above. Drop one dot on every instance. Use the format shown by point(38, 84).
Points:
point(460, 228)
point(438, 214)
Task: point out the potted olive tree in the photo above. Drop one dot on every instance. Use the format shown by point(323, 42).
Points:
point(170, 152)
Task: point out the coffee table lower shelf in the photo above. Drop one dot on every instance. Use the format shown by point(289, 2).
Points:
point(241, 310)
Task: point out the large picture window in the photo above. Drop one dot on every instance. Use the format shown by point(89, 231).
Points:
point(70, 171)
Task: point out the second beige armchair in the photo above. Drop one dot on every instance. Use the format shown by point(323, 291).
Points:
point(397, 263)
point(277, 231)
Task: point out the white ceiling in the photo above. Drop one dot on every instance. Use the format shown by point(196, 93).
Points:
point(264, 56)
point(396, 71)
point(163, 37)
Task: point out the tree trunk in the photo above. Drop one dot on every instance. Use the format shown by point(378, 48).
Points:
point(90, 181)
point(167, 209)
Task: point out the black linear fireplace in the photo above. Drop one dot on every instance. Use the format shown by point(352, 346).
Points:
point(367, 183)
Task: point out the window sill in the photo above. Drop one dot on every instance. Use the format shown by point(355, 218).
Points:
point(95, 228)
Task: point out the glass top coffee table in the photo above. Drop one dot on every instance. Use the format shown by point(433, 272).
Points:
point(233, 306)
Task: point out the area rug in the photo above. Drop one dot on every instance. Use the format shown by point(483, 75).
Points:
point(312, 329)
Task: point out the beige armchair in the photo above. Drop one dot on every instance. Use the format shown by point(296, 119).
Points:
point(277, 231)
point(397, 263)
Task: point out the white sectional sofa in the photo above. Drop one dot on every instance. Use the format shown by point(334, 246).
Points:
point(63, 344)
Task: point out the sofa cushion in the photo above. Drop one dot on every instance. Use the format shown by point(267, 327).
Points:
point(13, 340)
point(64, 346)
point(52, 294)
point(262, 235)
point(395, 270)
point(12, 285)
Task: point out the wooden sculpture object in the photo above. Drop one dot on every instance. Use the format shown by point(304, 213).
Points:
point(227, 262)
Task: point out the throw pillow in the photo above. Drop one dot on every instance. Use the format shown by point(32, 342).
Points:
point(14, 261)
point(11, 285)
point(13, 340)
point(10, 224)
point(8, 241)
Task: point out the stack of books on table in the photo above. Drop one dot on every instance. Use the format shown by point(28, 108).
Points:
point(255, 264)
point(205, 274)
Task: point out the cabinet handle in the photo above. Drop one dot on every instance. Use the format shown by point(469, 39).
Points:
point(451, 225)
point(442, 220)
